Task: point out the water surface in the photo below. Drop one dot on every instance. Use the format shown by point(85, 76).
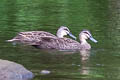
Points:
point(100, 17)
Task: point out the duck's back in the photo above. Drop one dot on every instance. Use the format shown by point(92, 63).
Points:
point(31, 37)
point(35, 35)
point(58, 43)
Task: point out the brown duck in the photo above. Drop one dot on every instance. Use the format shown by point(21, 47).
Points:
point(33, 37)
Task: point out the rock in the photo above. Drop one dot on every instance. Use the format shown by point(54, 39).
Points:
point(13, 71)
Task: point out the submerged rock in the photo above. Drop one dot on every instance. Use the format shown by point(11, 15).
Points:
point(13, 71)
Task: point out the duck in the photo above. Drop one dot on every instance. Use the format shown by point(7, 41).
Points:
point(67, 43)
point(32, 37)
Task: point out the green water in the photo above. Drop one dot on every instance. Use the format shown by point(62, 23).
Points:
point(101, 17)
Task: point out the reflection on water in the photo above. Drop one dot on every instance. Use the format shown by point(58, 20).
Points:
point(84, 58)
point(101, 17)
point(84, 54)
point(65, 64)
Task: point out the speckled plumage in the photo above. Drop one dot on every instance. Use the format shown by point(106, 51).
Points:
point(57, 43)
point(33, 37)
point(61, 44)
point(65, 43)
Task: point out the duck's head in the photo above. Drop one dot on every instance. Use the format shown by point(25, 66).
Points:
point(62, 31)
point(84, 35)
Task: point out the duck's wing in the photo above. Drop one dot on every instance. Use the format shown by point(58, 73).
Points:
point(54, 39)
point(46, 39)
point(36, 33)
point(46, 43)
point(30, 36)
point(57, 43)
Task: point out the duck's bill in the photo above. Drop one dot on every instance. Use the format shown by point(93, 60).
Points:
point(92, 39)
point(71, 35)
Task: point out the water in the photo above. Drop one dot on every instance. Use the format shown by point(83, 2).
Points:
point(100, 17)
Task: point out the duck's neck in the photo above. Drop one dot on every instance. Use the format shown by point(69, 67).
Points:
point(61, 34)
point(83, 41)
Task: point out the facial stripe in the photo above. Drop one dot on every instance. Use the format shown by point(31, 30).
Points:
point(66, 30)
point(87, 33)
